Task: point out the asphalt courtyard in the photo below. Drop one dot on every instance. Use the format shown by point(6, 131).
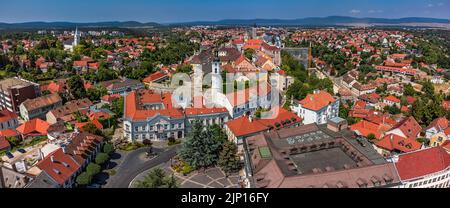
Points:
point(132, 164)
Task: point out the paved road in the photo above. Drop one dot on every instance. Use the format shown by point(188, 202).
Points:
point(135, 163)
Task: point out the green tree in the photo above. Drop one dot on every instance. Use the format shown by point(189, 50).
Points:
point(228, 159)
point(157, 178)
point(80, 117)
point(14, 141)
point(93, 169)
point(409, 90)
point(91, 128)
point(108, 148)
point(184, 68)
point(218, 133)
point(76, 87)
point(101, 158)
point(117, 107)
point(248, 53)
point(392, 110)
point(200, 150)
point(428, 88)
point(371, 137)
point(84, 179)
point(171, 182)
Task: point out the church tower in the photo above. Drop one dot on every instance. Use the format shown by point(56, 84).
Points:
point(76, 38)
point(216, 72)
point(254, 35)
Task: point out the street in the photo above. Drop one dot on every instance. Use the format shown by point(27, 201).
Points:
point(135, 163)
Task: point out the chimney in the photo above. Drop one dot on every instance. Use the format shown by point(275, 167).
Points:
point(250, 118)
point(52, 158)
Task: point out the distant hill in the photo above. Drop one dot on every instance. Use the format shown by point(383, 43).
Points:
point(63, 25)
point(310, 21)
point(319, 21)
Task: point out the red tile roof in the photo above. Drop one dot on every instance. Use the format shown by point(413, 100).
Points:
point(359, 104)
point(110, 98)
point(56, 87)
point(134, 101)
point(242, 126)
point(394, 142)
point(439, 124)
point(421, 163)
point(34, 126)
point(365, 128)
point(6, 115)
point(392, 99)
point(410, 99)
point(409, 127)
point(9, 133)
point(80, 63)
point(155, 76)
point(59, 166)
point(204, 110)
point(446, 104)
point(317, 101)
point(95, 122)
point(4, 144)
point(98, 115)
point(396, 69)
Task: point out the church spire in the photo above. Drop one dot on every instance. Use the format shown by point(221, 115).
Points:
point(76, 37)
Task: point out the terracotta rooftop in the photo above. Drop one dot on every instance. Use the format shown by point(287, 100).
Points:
point(6, 115)
point(34, 126)
point(59, 166)
point(423, 162)
point(242, 126)
point(317, 101)
point(41, 102)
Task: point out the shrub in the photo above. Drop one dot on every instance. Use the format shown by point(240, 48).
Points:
point(84, 179)
point(93, 169)
point(101, 158)
point(108, 148)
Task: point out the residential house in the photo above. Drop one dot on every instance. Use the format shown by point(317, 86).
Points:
point(32, 128)
point(66, 111)
point(392, 101)
point(39, 107)
point(317, 107)
point(437, 131)
point(4, 144)
point(8, 120)
point(61, 168)
point(83, 147)
point(122, 86)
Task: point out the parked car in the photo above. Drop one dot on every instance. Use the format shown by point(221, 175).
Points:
point(22, 151)
point(10, 156)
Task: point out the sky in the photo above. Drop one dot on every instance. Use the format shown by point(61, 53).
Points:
point(171, 11)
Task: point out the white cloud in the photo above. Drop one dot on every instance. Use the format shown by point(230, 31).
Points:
point(440, 4)
point(430, 5)
point(355, 11)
